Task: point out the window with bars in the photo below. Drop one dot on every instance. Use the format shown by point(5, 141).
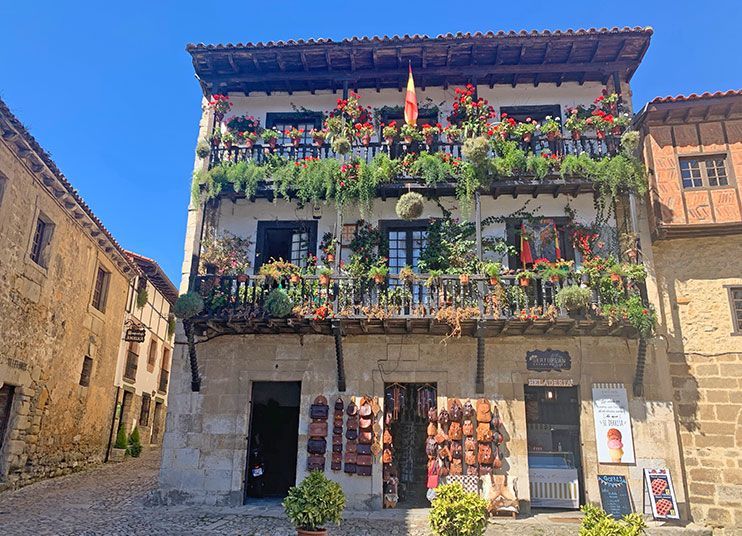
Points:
point(87, 369)
point(144, 412)
point(100, 292)
point(735, 300)
point(703, 171)
point(41, 240)
point(288, 240)
point(283, 121)
point(405, 243)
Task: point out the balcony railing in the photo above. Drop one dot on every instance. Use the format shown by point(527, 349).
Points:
point(595, 147)
point(243, 298)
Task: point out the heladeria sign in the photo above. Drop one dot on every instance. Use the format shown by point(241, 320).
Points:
point(612, 423)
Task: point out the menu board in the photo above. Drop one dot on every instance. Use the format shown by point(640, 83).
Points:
point(614, 495)
point(612, 423)
point(661, 494)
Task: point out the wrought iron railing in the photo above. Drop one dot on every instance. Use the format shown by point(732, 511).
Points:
point(342, 296)
point(593, 146)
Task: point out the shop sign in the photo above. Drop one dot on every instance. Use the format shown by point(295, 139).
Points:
point(541, 382)
point(614, 495)
point(548, 360)
point(661, 494)
point(612, 423)
point(134, 335)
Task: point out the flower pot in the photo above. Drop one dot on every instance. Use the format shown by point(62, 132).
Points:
point(429, 139)
point(228, 144)
point(295, 279)
point(324, 280)
point(249, 143)
point(616, 131)
point(242, 278)
point(272, 143)
point(615, 278)
point(303, 532)
point(295, 142)
point(576, 135)
point(408, 139)
point(330, 257)
point(117, 455)
point(379, 279)
point(551, 136)
point(524, 282)
point(600, 134)
point(464, 279)
point(366, 140)
point(494, 281)
point(389, 140)
point(318, 142)
point(215, 142)
point(452, 139)
point(527, 137)
point(554, 279)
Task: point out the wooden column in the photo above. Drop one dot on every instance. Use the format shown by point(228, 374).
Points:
point(345, 89)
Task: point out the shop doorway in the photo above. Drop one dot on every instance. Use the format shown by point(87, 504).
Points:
point(554, 452)
point(126, 401)
point(407, 404)
point(273, 439)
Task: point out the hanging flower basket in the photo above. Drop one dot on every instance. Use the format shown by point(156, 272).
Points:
point(410, 206)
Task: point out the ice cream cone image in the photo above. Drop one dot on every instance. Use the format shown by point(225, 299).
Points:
point(615, 445)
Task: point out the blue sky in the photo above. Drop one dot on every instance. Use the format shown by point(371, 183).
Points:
point(108, 89)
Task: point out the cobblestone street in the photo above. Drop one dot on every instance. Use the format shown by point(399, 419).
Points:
point(110, 500)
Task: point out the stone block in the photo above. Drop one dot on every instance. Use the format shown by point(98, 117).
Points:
point(714, 440)
point(718, 517)
point(218, 480)
point(186, 458)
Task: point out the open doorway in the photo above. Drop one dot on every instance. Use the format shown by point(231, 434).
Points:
point(554, 453)
point(273, 439)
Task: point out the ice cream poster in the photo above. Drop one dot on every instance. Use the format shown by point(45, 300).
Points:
point(612, 423)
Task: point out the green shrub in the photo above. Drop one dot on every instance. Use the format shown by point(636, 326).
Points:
point(121, 442)
point(538, 165)
point(315, 502)
point(203, 149)
point(142, 297)
point(188, 305)
point(573, 298)
point(135, 443)
point(278, 304)
point(598, 523)
point(455, 512)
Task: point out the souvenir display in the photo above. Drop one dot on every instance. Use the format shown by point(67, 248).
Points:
point(395, 395)
point(351, 436)
point(336, 463)
point(317, 442)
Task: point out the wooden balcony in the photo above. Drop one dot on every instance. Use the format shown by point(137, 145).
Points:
point(236, 305)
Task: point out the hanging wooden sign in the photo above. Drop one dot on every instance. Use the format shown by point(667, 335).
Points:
point(135, 334)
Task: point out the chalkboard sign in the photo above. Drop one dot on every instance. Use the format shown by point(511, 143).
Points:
point(614, 495)
point(546, 360)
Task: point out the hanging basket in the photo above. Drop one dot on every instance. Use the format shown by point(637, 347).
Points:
point(410, 206)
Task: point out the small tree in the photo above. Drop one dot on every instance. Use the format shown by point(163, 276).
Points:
point(121, 442)
point(455, 512)
point(135, 443)
point(598, 523)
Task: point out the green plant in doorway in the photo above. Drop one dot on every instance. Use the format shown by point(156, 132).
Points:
point(315, 502)
point(135, 443)
point(455, 512)
point(599, 523)
point(121, 441)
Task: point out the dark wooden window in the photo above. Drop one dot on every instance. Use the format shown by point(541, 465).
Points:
point(41, 239)
point(405, 242)
point(703, 171)
point(100, 292)
point(735, 300)
point(87, 369)
point(3, 182)
point(152, 354)
point(164, 370)
point(6, 403)
point(537, 113)
point(144, 412)
point(132, 362)
point(543, 239)
point(289, 240)
point(283, 121)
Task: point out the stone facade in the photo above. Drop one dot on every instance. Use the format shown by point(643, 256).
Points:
point(59, 421)
point(698, 235)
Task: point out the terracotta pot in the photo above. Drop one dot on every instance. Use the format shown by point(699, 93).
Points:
point(242, 278)
point(527, 137)
point(464, 279)
point(366, 140)
point(616, 131)
point(302, 532)
point(600, 134)
point(228, 144)
point(249, 143)
point(295, 142)
point(379, 279)
point(295, 278)
point(494, 281)
point(319, 142)
point(324, 280)
point(330, 257)
point(616, 278)
point(576, 135)
point(524, 282)
point(408, 139)
point(389, 140)
point(551, 136)
point(429, 139)
point(554, 279)
point(272, 143)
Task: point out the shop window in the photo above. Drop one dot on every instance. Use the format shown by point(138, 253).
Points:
point(87, 369)
point(546, 238)
point(144, 412)
point(42, 238)
point(288, 240)
point(735, 300)
point(152, 354)
point(705, 171)
point(283, 121)
point(6, 403)
point(100, 291)
point(537, 113)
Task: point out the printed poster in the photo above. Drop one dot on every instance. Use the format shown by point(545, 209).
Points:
point(661, 494)
point(612, 423)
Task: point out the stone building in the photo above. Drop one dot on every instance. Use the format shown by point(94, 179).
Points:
point(241, 396)
point(63, 290)
point(145, 352)
point(693, 150)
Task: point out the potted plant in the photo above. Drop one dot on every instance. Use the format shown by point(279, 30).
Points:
point(551, 127)
point(341, 144)
point(118, 452)
point(407, 275)
point(312, 504)
point(295, 278)
point(278, 304)
point(203, 150)
point(295, 135)
point(228, 139)
point(270, 137)
point(220, 104)
point(464, 279)
point(429, 132)
point(410, 206)
point(216, 138)
point(575, 123)
point(324, 276)
point(390, 132)
point(453, 133)
point(574, 299)
point(555, 274)
point(363, 132)
point(526, 129)
point(378, 271)
point(434, 278)
point(410, 133)
point(524, 277)
point(455, 512)
point(493, 270)
point(327, 246)
point(134, 447)
point(616, 274)
point(318, 136)
point(249, 138)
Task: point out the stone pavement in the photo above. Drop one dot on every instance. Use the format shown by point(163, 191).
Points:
point(110, 500)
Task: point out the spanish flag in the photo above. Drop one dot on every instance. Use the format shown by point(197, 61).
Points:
point(410, 101)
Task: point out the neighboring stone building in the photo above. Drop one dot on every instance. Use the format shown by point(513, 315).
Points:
point(63, 290)
point(145, 354)
point(249, 383)
point(693, 150)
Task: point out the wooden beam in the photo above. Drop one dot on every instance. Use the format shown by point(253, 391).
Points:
point(327, 59)
point(425, 58)
point(280, 61)
point(617, 57)
point(594, 52)
point(232, 63)
point(352, 61)
point(304, 63)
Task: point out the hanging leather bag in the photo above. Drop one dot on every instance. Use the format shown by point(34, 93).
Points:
point(319, 409)
point(497, 461)
point(470, 457)
point(315, 463)
point(484, 412)
point(484, 432)
point(363, 448)
point(456, 411)
point(457, 451)
point(317, 445)
point(431, 447)
point(318, 429)
point(432, 415)
point(432, 481)
point(444, 420)
point(470, 444)
point(468, 411)
point(386, 456)
point(454, 431)
point(467, 428)
point(456, 468)
point(484, 455)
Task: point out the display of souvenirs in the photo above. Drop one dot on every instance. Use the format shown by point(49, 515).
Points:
point(336, 464)
point(317, 442)
point(351, 437)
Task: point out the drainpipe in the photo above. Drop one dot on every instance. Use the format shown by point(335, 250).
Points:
point(113, 424)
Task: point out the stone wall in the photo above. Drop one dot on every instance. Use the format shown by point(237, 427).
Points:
point(48, 327)
point(706, 367)
point(204, 450)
